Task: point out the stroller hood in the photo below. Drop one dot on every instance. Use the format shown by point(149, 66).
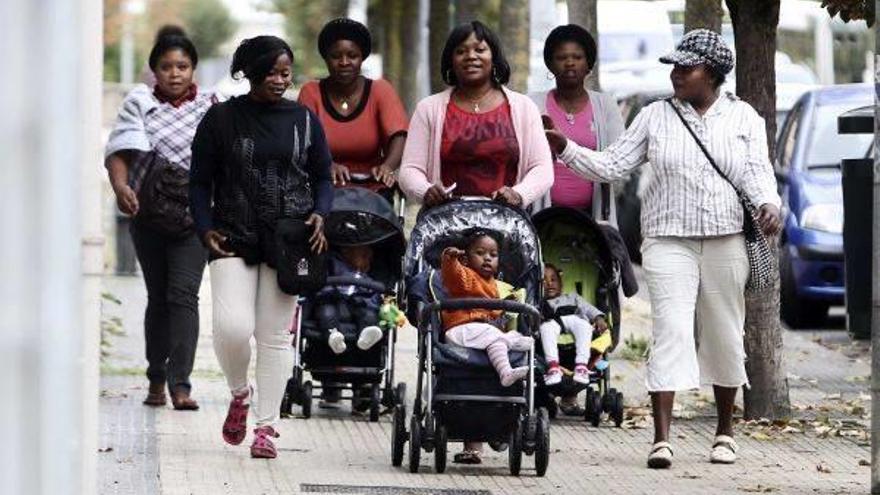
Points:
point(445, 225)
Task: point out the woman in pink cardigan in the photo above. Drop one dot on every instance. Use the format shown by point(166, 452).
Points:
point(476, 138)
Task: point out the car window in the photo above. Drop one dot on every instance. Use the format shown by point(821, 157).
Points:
point(826, 147)
point(787, 143)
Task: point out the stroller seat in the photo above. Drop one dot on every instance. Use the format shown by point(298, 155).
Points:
point(452, 356)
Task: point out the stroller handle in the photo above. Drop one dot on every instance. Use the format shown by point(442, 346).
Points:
point(482, 303)
point(356, 281)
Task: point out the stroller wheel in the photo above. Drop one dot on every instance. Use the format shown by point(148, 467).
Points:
point(542, 442)
point(440, 439)
point(400, 394)
point(375, 402)
point(515, 450)
point(593, 407)
point(415, 443)
point(552, 408)
point(290, 394)
point(306, 399)
point(398, 435)
point(617, 408)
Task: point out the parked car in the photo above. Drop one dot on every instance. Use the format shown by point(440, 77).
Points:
point(809, 151)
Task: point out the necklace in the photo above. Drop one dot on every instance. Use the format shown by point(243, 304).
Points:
point(476, 101)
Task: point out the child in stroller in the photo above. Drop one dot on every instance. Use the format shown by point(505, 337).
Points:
point(359, 304)
point(583, 320)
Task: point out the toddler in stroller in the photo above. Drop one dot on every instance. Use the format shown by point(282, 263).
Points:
point(583, 320)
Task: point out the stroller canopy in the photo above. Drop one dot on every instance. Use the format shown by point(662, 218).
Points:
point(361, 217)
point(446, 225)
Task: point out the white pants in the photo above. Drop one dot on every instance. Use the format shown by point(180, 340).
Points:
point(579, 327)
point(247, 302)
point(698, 281)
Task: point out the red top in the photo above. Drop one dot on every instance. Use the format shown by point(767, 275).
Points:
point(359, 140)
point(478, 151)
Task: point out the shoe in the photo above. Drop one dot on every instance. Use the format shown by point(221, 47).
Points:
point(467, 457)
point(235, 426)
point(514, 375)
point(601, 365)
point(181, 400)
point(660, 456)
point(581, 374)
point(522, 344)
point(336, 341)
point(330, 396)
point(156, 395)
point(571, 409)
point(262, 447)
point(362, 399)
point(723, 450)
point(553, 376)
point(369, 337)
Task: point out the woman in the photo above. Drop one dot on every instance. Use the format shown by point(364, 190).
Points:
point(364, 120)
point(587, 117)
point(476, 138)
point(365, 123)
point(259, 158)
point(694, 254)
point(156, 125)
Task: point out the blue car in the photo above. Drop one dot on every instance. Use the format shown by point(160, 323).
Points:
point(809, 151)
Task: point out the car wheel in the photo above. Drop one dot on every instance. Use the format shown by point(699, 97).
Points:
point(797, 312)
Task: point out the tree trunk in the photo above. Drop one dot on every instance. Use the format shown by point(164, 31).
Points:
point(392, 56)
point(754, 25)
point(467, 11)
point(514, 34)
point(703, 14)
point(409, 33)
point(583, 13)
point(438, 27)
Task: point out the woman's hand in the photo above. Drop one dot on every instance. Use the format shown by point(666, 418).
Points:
point(341, 175)
point(770, 219)
point(507, 195)
point(435, 195)
point(126, 200)
point(384, 174)
point(214, 240)
point(317, 241)
point(556, 140)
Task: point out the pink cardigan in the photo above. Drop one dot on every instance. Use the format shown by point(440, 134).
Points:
point(420, 166)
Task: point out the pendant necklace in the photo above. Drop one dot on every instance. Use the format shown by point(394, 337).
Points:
point(476, 102)
point(344, 104)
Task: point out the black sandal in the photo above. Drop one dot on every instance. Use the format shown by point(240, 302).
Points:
point(467, 457)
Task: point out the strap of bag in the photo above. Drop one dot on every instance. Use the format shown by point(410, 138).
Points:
point(703, 148)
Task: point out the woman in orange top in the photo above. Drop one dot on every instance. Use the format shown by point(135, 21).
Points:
point(364, 119)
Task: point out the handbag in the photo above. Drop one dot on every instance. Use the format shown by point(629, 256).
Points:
point(762, 263)
point(163, 197)
point(300, 270)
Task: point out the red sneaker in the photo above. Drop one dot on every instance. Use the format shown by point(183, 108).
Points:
point(235, 426)
point(263, 448)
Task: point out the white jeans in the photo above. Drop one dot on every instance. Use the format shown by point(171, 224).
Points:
point(698, 281)
point(247, 302)
point(579, 327)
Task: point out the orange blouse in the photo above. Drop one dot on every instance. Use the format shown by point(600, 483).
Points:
point(461, 281)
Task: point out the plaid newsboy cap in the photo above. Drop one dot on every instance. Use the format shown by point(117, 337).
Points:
point(701, 46)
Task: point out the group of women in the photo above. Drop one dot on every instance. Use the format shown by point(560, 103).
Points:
point(258, 158)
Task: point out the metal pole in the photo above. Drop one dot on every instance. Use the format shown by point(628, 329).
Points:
point(875, 282)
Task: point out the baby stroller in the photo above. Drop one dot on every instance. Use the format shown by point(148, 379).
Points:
point(359, 217)
point(576, 244)
point(458, 393)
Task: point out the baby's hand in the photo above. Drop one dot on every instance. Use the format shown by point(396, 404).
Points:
point(600, 324)
point(453, 252)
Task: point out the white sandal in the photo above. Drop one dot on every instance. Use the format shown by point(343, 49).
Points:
point(723, 450)
point(660, 456)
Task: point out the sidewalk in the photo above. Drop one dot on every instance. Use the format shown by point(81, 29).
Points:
point(150, 451)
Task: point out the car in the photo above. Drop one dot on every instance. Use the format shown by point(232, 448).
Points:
point(807, 166)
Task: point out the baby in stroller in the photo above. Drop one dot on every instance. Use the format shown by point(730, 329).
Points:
point(585, 322)
point(357, 304)
point(471, 273)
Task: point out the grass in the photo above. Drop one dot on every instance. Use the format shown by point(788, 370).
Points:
point(635, 348)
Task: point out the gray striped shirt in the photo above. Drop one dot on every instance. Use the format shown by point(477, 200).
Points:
point(686, 197)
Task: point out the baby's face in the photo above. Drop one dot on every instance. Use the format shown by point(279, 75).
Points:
point(552, 283)
point(482, 256)
point(359, 257)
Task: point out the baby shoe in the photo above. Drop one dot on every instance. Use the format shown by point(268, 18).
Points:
point(369, 337)
point(336, 341)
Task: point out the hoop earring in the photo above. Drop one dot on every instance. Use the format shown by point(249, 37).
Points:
point(551, 76)
point(447, 77)
point(495, 75)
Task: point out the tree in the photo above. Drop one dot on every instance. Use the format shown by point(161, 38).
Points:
point(754, 27)
point(438, 28)
point(703, 14)
point(584, 14)
point(514, 33)
point(208, 24)
point(467, 11)
point(303, 21)
point(852, 9)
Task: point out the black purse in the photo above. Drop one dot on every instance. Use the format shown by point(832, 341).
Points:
point(763, 267)
point(300, 270)
point(163, 197)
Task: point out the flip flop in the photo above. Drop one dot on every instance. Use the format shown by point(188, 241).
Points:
point(467, 457)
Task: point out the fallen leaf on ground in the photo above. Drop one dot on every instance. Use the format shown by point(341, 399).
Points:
point(105, 449)
point(823, 468)
point(864, 462)
point(757, 489)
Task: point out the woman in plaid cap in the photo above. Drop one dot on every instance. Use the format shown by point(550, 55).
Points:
point(694, 252)
point(158, 123)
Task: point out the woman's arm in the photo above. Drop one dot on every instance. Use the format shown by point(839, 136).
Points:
point(319, 161)
point(117, 170)
point(413, 175)
point(385, 171)
point(538, 176)
point(205, 162)
point(758, 180)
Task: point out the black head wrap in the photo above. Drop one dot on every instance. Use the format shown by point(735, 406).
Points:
point(344, 29)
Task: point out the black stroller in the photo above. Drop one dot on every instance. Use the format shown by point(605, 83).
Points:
point(576, 244)
point(359, 217)
point(458, 393)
